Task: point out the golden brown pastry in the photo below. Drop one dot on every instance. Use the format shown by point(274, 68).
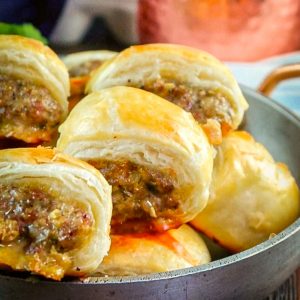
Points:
point(190, 78)
point(80, 65)
point(34, 86)
point(55, 213)
point(251, 196)
point(138, 254)
point(153, 153)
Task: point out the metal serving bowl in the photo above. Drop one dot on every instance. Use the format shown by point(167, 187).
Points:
point(251, 274)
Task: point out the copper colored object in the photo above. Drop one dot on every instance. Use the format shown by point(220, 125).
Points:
point(229, 29)
point(278, 75)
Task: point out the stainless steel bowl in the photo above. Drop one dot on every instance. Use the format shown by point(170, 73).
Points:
point(251, 274)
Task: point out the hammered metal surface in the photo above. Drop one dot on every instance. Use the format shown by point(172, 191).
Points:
point(229, 29)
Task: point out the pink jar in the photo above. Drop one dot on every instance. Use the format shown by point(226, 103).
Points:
point(229, 29)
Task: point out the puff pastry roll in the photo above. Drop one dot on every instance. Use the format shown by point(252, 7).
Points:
point(83, 63)
point(190, 78)
point(153, 153)
point(54, 213)
point(139, 254)
point(80, 65)
point(252, 197)
point(34, 86)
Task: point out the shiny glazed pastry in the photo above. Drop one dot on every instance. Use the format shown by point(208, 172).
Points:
point(153, 153)
point(138, 254)
point(251, 198)
point(55, 213)
point(34, 86)
point(190, 78)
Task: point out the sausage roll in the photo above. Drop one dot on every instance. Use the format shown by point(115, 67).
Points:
point(190, 78)
point(154, 154)
point(55, 213)
point(34, 86)
point(136, 254)
point(83, 63)
point(251, 196)
point(80, 65)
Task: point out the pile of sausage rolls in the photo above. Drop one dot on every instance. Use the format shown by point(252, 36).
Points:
point(111, 163)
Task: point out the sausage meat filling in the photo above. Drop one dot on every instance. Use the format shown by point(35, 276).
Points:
point(85, 68)
point(203, 104)
point(139, 192)
point(33, 218)
point(27, 111)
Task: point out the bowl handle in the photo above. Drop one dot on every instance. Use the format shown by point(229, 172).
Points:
point(278, 75)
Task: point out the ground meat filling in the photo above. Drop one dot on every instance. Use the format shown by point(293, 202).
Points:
point(33, 218)
point(203, 104)
point(27, 110)
point(85, 68)
point(139, 192)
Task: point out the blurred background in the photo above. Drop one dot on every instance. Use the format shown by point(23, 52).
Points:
point(251, 36)
point(233, 30)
